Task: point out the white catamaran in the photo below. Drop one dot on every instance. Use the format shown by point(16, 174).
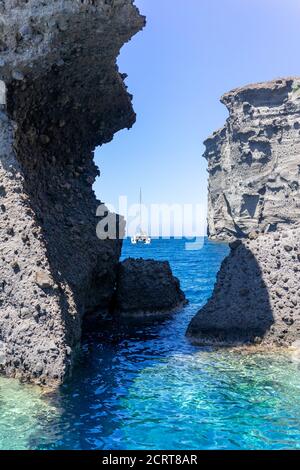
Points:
point(141, 236)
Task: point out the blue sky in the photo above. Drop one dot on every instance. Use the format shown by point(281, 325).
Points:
point(189, 54)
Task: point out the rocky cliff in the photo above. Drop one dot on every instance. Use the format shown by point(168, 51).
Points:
point(61, 96)
point(254, 167)
point(256, 298)
point(254, 161)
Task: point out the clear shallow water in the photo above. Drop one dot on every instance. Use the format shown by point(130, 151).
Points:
point(146, 387)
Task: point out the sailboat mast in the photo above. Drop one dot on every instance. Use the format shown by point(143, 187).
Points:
point(141, 209)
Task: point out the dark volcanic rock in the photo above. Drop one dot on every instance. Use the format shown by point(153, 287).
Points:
point(61, 95)
point(256, 298)
point(147, 287)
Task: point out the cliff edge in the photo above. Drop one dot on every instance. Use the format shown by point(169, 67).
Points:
point(254, 199)
point(253, 161)
point(61, 95)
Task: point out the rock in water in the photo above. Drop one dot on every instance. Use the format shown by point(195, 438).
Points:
point(253, 161)
point(147, 287)
point(256, 297)
point(254, 193)
point(61, 95)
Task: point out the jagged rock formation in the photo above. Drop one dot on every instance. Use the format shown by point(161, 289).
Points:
point(61, 96)
point(257, 297)
point(254, 161)
point(147, 288)
point(254, 166)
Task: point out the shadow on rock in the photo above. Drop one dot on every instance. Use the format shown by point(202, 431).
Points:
point(239, 310)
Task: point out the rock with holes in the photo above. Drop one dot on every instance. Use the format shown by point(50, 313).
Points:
point(61, 95)
point(147, 288)
point(254, 199)
point(256, 298)
point(254, 161)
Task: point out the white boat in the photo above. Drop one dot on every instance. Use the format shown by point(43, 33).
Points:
point(141, 236)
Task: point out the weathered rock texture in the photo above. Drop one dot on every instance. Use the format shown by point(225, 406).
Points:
point(254, 166)
point(257, 296)
point(63, 97)
point(147, 287)
point(254, 161)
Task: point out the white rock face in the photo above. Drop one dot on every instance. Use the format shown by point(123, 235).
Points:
point(254, 161)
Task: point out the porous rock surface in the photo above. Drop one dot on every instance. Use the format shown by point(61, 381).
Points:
point(254, 161)
point(61, 95)
point(256, 297)
point(147, 287)
point(254, 164)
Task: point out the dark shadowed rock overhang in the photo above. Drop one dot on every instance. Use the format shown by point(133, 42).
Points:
point(256, 298)
point(61, 96)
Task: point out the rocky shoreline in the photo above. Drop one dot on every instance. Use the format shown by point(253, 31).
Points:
point(61, 96)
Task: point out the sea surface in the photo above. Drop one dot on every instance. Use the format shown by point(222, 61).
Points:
point(146, 387)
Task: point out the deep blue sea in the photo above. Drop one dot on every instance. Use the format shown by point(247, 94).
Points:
point(146, 387)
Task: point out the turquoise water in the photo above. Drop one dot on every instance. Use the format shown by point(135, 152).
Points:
point(146, 387)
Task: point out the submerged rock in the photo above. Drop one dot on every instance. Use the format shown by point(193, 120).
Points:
point(61, 95)
point(147, 287)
